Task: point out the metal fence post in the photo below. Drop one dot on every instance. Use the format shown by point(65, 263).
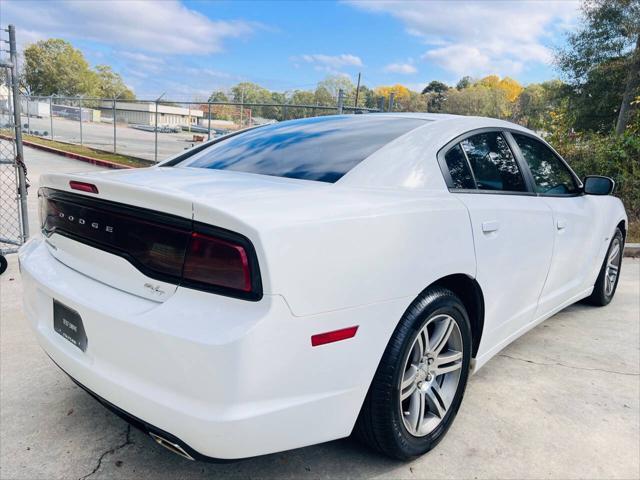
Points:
point(241, 107)
point(391, 99)
point(340, 101)
point(51, 114)
point(155, 155)
point(114, 125)
point(80, 104)
point(28, 117)
point(209, 126)
point(22, 174)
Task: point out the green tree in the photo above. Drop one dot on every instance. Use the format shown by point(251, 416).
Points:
point(436, 93)
point(109, 84)
point(334, 83)
point(607, 43)
point(249, 92)
point(464, 82)
point(536, 103)
point(54, 67)
point(218, 96)
point(479, 99)
point(323, 96)
point(435, 86)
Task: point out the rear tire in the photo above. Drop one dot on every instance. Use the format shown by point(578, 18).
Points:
point(607, 282)
point(3, 264)
point(418, 387)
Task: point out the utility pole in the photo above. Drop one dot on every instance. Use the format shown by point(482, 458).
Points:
point(391, 98)
point(22, 181)
point(357, 90)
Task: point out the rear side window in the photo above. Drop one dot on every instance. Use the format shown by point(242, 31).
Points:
point(492, 162)
point(319, 148)
point(459, 169)
point(550, 174)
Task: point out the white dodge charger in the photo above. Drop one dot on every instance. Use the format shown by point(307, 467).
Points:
point(294, 283)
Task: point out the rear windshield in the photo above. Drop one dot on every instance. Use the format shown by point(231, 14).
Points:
point(319, 148)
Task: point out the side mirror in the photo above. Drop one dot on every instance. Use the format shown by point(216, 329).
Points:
point(597, 185)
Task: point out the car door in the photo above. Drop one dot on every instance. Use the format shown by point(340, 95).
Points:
point(512, 230)
point(576, 245)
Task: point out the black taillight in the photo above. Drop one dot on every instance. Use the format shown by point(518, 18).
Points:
point(222, 261)
point(164, 247)
point(217, 262)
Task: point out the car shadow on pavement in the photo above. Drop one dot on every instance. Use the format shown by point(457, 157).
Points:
point(128, 453)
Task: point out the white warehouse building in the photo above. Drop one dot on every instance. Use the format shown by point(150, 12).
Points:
point(145, 113)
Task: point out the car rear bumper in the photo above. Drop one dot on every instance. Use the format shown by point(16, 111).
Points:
point(227, 378)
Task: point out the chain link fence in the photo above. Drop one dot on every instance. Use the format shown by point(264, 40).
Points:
point(153, 129)
point(13, 189)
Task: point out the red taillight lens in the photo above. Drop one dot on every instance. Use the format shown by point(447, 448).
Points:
point(217, 262)
point(83, 186)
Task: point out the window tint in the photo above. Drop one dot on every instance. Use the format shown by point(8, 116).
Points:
point(459, 169)
point(319, 148)
point(551, 176)
point(492, 163)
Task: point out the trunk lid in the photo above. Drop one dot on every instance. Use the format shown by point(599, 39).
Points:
point(154, 195)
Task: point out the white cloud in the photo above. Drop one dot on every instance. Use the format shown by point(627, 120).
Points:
point(329, 63)
point(481, 37)
point(162, 26)
point(403, 68)
point(140, 58)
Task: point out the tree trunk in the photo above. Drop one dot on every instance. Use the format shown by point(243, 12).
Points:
point(630, 89)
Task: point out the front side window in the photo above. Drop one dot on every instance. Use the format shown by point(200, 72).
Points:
point(551, 176)
point(319, 148)
point(459, 169)
point(493, 164)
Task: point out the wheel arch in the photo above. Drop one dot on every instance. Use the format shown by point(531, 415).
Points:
point(622, 225)
point(470, 293)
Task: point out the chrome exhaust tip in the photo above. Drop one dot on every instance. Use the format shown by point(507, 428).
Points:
point(174, 447)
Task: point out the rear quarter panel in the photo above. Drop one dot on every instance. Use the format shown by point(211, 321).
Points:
point(356, 248)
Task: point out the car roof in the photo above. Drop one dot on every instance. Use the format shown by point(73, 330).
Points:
point(411, 159)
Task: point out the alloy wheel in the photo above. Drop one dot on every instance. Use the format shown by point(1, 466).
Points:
point(431, 375)
point(613, 267)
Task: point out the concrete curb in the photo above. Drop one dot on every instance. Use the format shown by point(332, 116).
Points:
point(77, 156)
point(632, 250)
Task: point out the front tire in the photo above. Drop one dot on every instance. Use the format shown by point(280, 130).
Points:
point(418, 387)
point(607, 282)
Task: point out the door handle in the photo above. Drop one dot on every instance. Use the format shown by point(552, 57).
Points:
point(492, 226)
point(561, 224)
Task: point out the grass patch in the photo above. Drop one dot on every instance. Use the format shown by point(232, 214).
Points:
point(90, 152)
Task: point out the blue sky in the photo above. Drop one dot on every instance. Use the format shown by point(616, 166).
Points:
point(189, 48)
